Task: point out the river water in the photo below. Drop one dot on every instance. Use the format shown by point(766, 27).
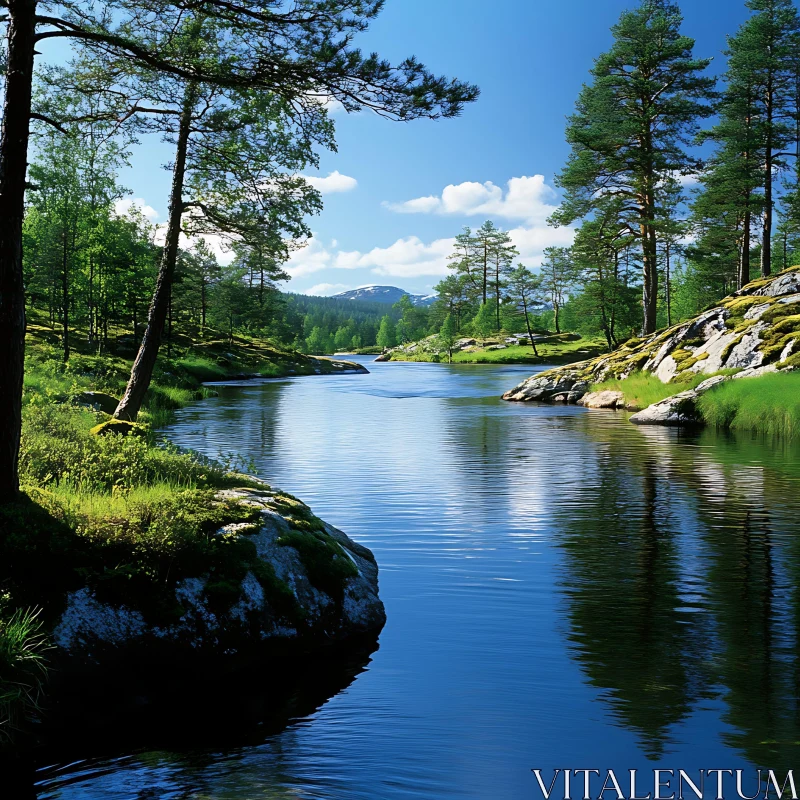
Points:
point(563, 589)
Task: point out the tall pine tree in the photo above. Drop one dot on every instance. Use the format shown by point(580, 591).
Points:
point(632, 125)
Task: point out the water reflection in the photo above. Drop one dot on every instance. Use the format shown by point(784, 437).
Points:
point(562, 588)
point(188, 730)
point(682, 584)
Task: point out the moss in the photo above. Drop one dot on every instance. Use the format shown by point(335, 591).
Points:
point(780, 311)
point(118, 427)
point(328, 566)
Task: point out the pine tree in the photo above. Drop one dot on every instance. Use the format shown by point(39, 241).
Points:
point(763, 56)
point(631, 128)
point(525, 290)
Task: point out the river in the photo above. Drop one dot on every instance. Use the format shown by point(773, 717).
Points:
point(563, 589)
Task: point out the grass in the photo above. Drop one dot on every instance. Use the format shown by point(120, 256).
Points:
point(768, 404)
point(23, 668)
point(131, 516)
point(642, 389)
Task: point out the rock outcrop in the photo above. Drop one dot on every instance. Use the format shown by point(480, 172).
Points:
point(758, 327)
point(306, 584)
point(680, 409)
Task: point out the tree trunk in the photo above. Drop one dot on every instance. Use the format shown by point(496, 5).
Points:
point(528, 326)
point(744, 261)
point(65, 294)
point(556, 309)
point(650, 280)
point(766, 241)
point(203, 303)
point(142, 370)
point(497, 291)
point(667, 293)
point(13, 169)
point(485, 269)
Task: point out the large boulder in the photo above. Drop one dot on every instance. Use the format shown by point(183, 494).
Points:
point(99, 401)
point(308, 585)
point(548, 386)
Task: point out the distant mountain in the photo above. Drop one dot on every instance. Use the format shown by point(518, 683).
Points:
point(384, 294)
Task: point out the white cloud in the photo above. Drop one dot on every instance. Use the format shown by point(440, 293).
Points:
point(406, 258)
point(527, 198)
point(325, 289)
point(123, 207)
point(219, 245)
point(333, 183)
point(309, 259)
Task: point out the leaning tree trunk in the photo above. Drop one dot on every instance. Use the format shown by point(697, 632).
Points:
point(142, 371)
point(528, 326)
point(13, 168)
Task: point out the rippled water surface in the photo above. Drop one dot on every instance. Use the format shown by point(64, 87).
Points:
point(563, 589)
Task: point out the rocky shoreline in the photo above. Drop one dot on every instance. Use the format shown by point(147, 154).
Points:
point(751, 333)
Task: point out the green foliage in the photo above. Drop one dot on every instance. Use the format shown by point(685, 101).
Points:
point(387, 334)
point(448, 335)
point(769, 404)
point(484, 322)
point(23, 670)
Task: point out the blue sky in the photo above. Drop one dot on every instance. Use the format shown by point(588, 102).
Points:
point(530, 58)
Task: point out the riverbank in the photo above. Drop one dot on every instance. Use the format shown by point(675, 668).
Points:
point(122, 546)
point(503, 348)
point(730, 367)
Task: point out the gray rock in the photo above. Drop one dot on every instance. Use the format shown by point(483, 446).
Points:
point(680, 409)
point(605, 399)
point(90, 628)
point(783, 284)
point(745, 354)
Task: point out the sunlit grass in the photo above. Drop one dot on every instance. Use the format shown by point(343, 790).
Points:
point(642, 389)
point(768, 404)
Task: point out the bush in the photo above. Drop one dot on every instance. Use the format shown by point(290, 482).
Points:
point(57, 448)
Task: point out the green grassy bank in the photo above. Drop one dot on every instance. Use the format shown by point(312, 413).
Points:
point(126, 515)
point(769, 404)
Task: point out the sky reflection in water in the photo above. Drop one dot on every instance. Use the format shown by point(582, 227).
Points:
point(563, 589)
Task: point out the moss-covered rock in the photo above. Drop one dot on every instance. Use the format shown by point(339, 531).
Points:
point(118, 427)
point(279, 578)
point(755, 327)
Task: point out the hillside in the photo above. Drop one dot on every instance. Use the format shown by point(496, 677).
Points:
point(384, 294)
point(750, 334)
point(502, 348)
